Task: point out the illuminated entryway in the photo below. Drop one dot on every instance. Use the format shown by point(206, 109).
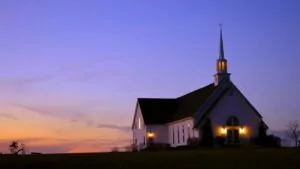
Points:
point(232, 135)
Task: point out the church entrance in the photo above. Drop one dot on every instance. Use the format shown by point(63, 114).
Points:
point(232, 135)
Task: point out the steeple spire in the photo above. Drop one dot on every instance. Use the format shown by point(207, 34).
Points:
point(221, 63)
point(221, 54)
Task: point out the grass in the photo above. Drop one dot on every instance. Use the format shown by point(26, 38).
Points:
point(185, 159)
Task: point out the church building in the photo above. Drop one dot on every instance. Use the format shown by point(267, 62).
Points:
point(174, 120)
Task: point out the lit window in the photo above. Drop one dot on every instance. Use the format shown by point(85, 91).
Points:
point(189, 131)
point(223, 65)
point(139, 123)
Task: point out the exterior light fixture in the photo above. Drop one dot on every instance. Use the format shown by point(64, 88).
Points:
point(242, 129)
point(223, 130)
point(150, 134)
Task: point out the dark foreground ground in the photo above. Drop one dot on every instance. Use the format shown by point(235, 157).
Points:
point(185, 159)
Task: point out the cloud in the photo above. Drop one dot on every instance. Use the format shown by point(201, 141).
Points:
point(23, 83)
point(122, 128)
point(72, 114)
point(93, 76)
point(58, 111)
point(26, 81)
point(92, 71)
point(9, 116)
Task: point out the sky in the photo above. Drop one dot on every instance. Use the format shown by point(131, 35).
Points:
point(71, 70)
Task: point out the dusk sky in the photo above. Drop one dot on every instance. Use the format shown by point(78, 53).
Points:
point(71, 70)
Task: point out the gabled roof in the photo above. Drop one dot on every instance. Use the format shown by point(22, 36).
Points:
point(191, 102)
point(227, 85)
point(157, 111)
point(161, 111)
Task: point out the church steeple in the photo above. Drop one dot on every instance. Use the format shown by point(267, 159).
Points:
point(221, 63)
point(221, 52)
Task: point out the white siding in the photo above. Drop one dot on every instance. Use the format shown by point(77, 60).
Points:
point(139, 135)
point(180, 137)
point(233, 104)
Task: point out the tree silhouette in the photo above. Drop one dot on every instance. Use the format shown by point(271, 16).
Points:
point(17, 148)
point(262, 134)
point(207, 137)
point(293, 131)
point(262, 130)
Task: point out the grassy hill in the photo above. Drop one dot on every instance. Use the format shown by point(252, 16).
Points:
point(188, 159)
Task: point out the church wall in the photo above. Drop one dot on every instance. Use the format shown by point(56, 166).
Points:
point(180, 131)
point(232, 104)
point(139, 134)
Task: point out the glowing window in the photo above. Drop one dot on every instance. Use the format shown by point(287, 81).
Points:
point(189, 131)
point(232, 121)
point(139, 123)
point(223, 65)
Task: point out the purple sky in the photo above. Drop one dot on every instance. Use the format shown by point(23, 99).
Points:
point(86, 62)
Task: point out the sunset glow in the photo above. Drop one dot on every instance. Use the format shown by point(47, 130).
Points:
point(71, 71)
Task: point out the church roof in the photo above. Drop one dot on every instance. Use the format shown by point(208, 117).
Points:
point(161, 111)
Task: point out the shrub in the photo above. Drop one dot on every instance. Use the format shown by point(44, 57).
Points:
point(134, 148)
point(267, 141)
point(183, 147)
point(207, 138)
point(150, 142)
point(273, 141)
point(220, 141)
point(157, 146)
point(193, 142)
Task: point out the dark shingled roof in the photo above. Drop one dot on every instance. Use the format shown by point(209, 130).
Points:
point(161, 111)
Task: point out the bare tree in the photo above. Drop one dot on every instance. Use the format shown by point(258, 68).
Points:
point(17, 148)
point(293, 131)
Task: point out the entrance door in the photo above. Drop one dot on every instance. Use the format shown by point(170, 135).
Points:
point(233, 136)
point(232, 131)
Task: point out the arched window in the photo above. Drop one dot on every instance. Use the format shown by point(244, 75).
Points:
point(232, 121)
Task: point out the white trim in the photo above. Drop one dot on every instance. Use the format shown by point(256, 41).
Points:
point(135, 112)
point(209, 101)
point(257, 114)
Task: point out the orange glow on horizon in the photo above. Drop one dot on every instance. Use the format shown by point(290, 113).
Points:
point(50, 134)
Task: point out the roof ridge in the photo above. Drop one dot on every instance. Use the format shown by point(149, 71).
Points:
point(204, 87)
point(156, 98)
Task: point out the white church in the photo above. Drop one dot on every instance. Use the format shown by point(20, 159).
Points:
point(175, 120)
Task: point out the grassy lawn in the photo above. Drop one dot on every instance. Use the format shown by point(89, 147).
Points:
point(185, 159)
